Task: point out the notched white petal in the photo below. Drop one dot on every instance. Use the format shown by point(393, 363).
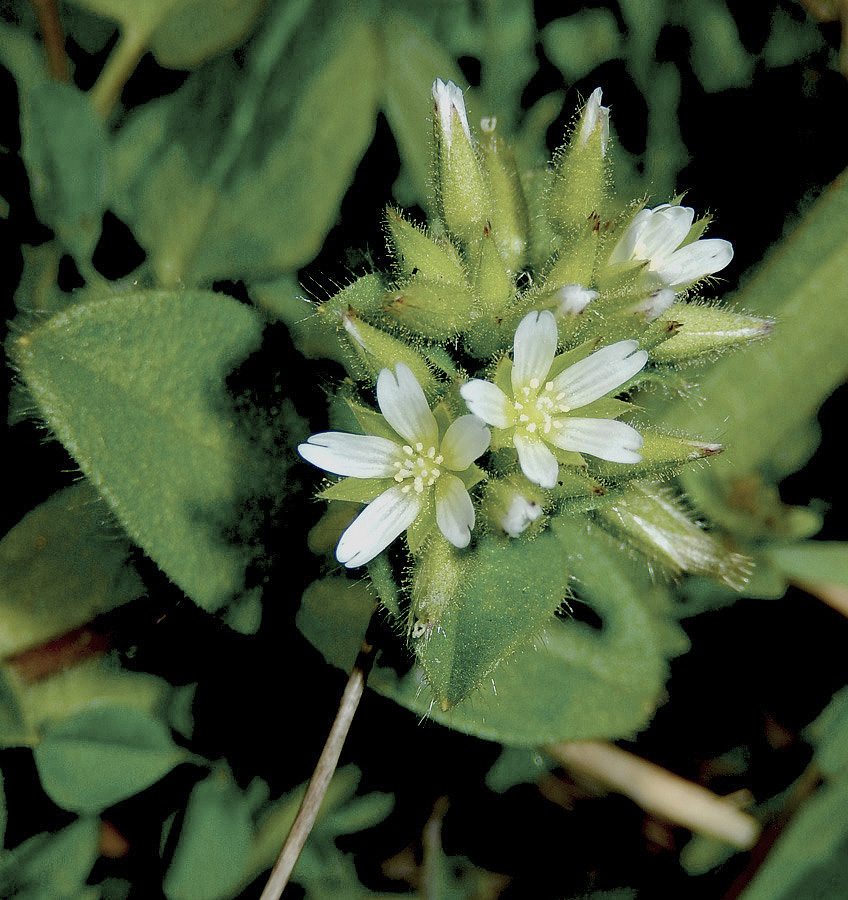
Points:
point(695, 261)
point(403, 405)
point(466, 439)
point(383, 520)
point(536, 460)
point(449, 99)
point(356, 455)
point(534, 346)
point(607, 439)
point(454, 510)
point(593, 115)
point(599, 373)
point(487, 401)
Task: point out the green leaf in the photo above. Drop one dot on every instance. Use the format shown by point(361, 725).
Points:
point(571, 683)
point(60, 566)
point(809, 861)
point(507, 592)
point(53, 865)
point(103, 755)
point(2, 813)
point(182, 33)
point(812, 561)
point(803, 285)
point(240, 173)
point(27, 710)
point(65, 153)
point(577, 44)
point(133, 386)
point(212, 852)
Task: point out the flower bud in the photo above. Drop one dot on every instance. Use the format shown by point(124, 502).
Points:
point(700, 329)
point(580, 177)
point(510, 222)
point(463, 196)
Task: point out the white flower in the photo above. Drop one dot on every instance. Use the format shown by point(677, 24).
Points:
point(538, 412)
point(655, 235)
point(593, 115)
point(654, 305)
point(572, 299)
point(449, 100)
point(416, 467)
point(519, 515)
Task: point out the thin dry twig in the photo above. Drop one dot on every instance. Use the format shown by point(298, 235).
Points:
point(325, 768)
point(53, 37)
point(658, 791)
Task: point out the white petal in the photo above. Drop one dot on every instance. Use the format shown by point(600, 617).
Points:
point(448, 98)
point(488, 402)
point(519, 515)
point(358, 455)
point(599, 373)
point(654, 305)
point(377, 526)
point(695, 261)
point(625, 249)
point(605, 438)
point(573, 299)
point(665, 232)
point(466, 438)
point(404, 406)
point(593, 113)
point(454, 510)
point(536, 460)
point(535, 344)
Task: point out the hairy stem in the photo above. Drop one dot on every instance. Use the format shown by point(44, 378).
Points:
point(658, 791)
point(325, 768)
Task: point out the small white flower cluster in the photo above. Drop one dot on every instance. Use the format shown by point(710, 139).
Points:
point(422, 467)
point(419, 471)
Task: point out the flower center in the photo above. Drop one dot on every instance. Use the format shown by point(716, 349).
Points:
point(535, 409)
point(420, 467)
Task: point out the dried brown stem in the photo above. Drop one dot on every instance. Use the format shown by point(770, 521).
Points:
point(325, 768)
point(53, 37)
point(658, 791)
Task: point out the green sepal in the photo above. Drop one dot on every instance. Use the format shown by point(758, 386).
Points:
point(417, 253)
point(493, 284)
point(423, 527)
point(471, 476)
point(702, 329)
point(372, 422)
point(579, 187)
point(356, 490)
point(433, 310)
point(462, 191)
point(654, 521)
point(372, 349)
point(663, 455)
point(434, 586)
point(510, 221)
point(365, 295)
point(574, 263)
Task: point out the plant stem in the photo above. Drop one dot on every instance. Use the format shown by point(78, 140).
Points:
point(804, 787)
point(325, 768)
point(122, 62)
point(53, 36)
point(658, 791)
